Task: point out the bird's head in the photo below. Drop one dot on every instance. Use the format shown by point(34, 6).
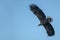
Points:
point(49, 19)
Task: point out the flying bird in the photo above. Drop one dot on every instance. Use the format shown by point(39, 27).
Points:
point(43, 20)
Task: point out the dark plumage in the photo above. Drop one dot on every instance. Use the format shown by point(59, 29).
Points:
point(43, 20)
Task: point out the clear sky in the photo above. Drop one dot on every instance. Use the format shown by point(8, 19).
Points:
point(17, 22)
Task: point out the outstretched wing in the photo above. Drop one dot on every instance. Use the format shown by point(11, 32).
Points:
point(38, 12)
point(49, 29)
point(41, 16)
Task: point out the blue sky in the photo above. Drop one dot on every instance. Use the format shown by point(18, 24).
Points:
point(17, 22)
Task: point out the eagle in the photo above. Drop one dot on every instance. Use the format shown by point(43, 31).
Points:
point(45, 21)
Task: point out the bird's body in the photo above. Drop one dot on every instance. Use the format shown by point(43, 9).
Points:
point(43, 20)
